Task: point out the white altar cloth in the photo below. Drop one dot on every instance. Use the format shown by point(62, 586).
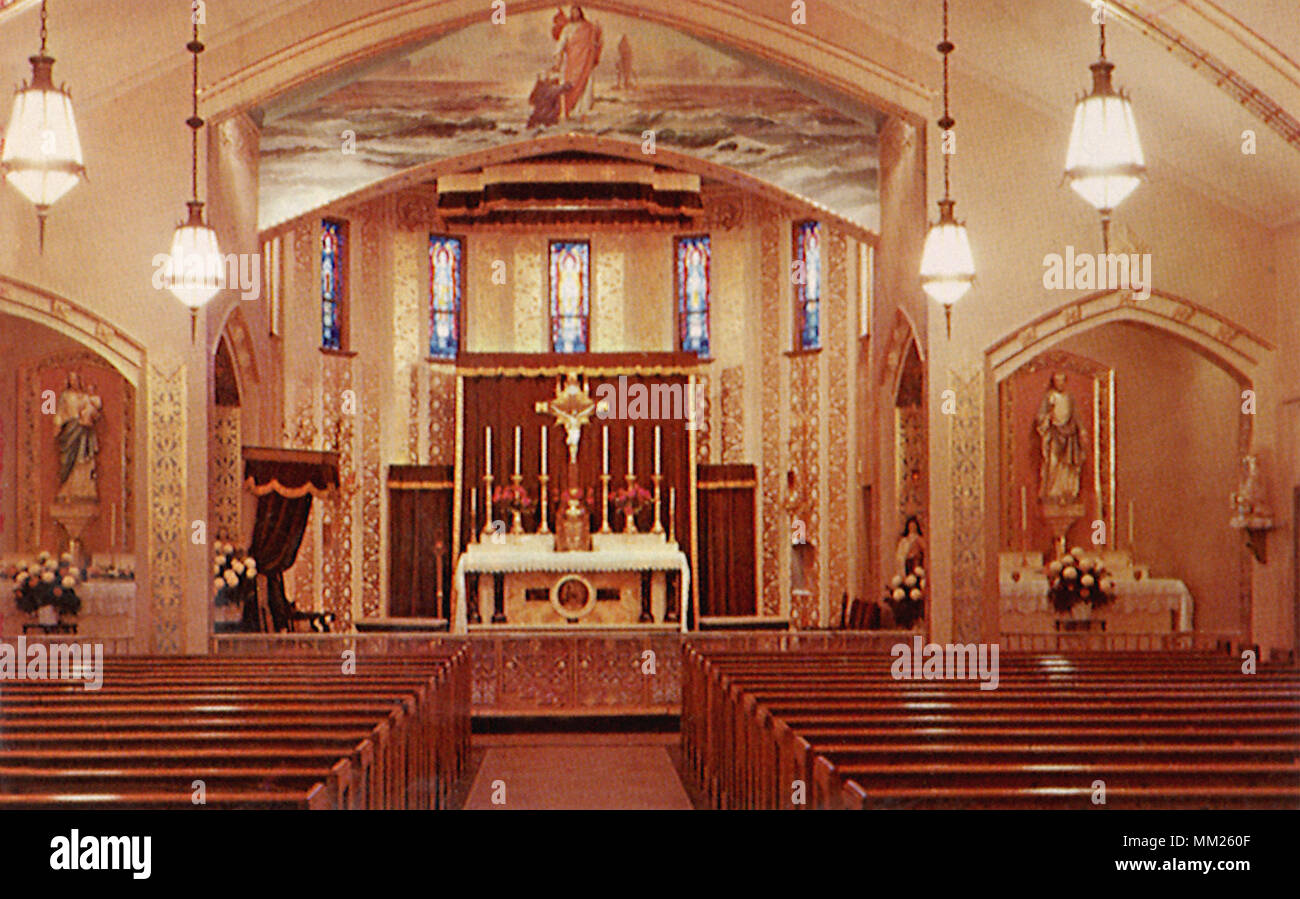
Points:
point(1029, 595)
point(533, 552)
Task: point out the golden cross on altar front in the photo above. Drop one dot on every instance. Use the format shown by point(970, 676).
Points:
point(572, 407)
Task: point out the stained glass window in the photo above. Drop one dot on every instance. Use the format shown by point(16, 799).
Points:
point(333, 287)
point(807, 284)
point(445, 293)
point(694, 260)
point(570, 295)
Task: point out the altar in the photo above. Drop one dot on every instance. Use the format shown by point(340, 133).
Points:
point(623, 580)
point(567, 512)
point(1142, 604)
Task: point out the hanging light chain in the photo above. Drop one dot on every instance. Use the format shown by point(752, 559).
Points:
point(44, 29)
point(947, 122)
point(195, 46)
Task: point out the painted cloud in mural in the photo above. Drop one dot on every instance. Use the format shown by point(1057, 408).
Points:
point(601, 74)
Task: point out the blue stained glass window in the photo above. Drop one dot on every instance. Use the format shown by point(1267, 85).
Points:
point(694, 261)
point(332, 287)
point(807, 295)
point(570, 272)
point(445, 293)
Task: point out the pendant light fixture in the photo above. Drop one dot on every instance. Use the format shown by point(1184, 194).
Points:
point(947, 267)
point(1104, 162)
point(196, 266)
point(42, 153)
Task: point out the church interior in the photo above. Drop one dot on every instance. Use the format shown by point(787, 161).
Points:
point(824, 404)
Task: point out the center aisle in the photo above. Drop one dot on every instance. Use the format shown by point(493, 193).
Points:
point(578, 771)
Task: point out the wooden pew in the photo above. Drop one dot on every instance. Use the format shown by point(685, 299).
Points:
point(745, 716)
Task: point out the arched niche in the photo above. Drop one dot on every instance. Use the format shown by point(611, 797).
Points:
point(1169, 377)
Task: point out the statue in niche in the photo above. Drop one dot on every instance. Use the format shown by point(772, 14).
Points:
point(77, 417)
point(910, 554)
point(1061, 444)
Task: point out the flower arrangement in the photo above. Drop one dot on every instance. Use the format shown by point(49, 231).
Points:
point(1076, 578)
point(49, 581)
point(631, 500)
point(905, 596)
point(512, 497)
point(230, 569)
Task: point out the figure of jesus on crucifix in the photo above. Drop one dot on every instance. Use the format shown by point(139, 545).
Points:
point(572, 407)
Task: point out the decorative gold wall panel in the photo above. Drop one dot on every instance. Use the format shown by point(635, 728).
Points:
point(704, 419)
point(168, 531)
point(773, 518)
point(372, 472)
point(300, 433)
point(336, 561)
point(967, 456)
point(805, 459)
point(608, 303)
point(840, 533)
point(529, 318)
point(407, 331)
point(225, 473)
point(442, 415)
point(733, 414)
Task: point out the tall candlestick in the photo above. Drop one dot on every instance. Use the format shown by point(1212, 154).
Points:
point(672, 513)
point(544, 471)
point(604, 450)
point(657, 438)
point(473, 515)
point(112, 526)
point(517, 443)
point(487, 450)
point(631, 448)
point(1024, 515)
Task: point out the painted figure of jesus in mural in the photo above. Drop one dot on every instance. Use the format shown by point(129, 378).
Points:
point(1061, 444)
point(576, 56)
point(76, 418)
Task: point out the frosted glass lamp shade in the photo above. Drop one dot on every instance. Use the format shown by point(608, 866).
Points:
point(947, 267)
point(1104, 162)
point(42, 152)
point(197, 269)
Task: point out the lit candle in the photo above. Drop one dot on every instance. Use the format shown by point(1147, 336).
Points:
point(631, 448)
point(487, 450)
point(517, 443)
point(543, 449)
point(604, 451)
point(657, 449)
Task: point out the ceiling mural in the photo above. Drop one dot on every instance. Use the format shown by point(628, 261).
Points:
point(553, 72)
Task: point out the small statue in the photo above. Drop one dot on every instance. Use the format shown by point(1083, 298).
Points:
point(1250, 501)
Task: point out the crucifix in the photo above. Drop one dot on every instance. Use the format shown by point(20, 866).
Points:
point(572, 407)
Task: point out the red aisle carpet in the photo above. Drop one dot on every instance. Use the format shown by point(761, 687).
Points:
point(577, 771)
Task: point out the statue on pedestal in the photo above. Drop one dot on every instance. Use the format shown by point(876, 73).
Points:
point(1061, 445)
point(76, 418)
point(76, 503)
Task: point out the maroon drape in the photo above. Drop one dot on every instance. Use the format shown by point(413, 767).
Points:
point(284, 482)
point(504, 401)
point(277, 534)
point(727, 555)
